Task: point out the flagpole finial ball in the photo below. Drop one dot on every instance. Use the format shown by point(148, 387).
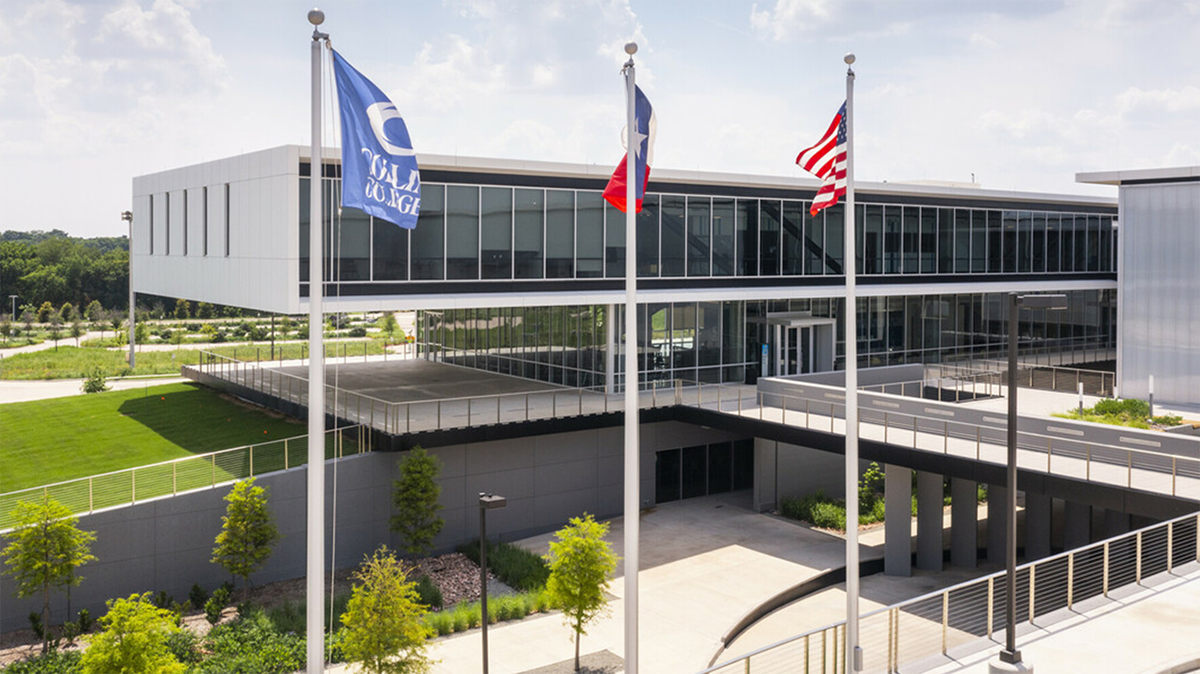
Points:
point(849, 59)
point(316, 17)
point(631, 48)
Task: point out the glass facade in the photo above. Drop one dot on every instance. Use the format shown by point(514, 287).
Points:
point(479, 232)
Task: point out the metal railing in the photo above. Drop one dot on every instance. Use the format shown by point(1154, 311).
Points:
point(1033, 375)
point(927, 631)
point(434, 415)
point(169, 478)
point(1074, 456)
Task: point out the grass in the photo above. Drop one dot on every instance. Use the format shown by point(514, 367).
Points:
point(1129, 412)
point(49, 441)
point(515, 566)
point(71, 362)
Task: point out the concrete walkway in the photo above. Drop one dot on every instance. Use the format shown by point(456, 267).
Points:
point(13, 391)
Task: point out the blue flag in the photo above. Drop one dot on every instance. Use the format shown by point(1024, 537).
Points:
point(379, 169)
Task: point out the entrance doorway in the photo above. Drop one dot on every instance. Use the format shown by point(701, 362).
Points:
point(800, 344)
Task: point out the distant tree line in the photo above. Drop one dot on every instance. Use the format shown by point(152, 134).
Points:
point(57, 268)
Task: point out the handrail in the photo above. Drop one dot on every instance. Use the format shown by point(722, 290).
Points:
point(963, 615)
point(174, 476)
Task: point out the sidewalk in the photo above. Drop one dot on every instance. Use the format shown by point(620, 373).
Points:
point(14, 391)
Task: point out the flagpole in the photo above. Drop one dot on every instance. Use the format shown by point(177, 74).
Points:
point(315, 570)
point(853, 652)
point(632, 453)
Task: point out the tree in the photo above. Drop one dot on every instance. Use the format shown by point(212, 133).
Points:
point(115, 319)
point(45, 548)
point(248, 531)
point(94, 313)
point(204, 310)
point(415, 497)
point(6, 329)
point(134, 640)
point(55, 330)
point(67, 312)
point(27, 317)
point(389, 325)
point(183, 309)
point(44, 312)
point(141, 333)
point(581, 562)
point(383, 627)
point(77, 331)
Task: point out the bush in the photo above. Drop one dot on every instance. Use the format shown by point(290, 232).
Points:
point(428, 593)
point(290, 616)
point(251, 645)
point(215, 604)
point(53, 662)
point(516, 567)
point(198, 596)
point(358, 331)
point(95, 383)
point(134, 640)
point(185, 646)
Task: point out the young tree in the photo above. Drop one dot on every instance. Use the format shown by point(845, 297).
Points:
point(67, 312)
point(6, 329)
point(115, 319)
point(248, 531)
point(77, 331)
point(389, 325)
point(415, 497)
point(581, 562)
point(183, 309)
point(55, 330)
point(384, 631)
point(94, 313)
point(27, 318)
point(204, 310)
point(141, 333)
point(44, 312)
point(44, 550)
point(134, 640)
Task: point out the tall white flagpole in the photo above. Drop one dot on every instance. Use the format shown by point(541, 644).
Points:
point(853, 652)
point(632, 453)
point(314, 585)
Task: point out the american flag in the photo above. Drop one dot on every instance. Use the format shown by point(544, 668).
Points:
point(827, 161)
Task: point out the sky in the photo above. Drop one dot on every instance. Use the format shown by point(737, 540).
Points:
point(1012, 94)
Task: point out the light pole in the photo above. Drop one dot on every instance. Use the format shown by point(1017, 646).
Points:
point(486, 502)
point(1010, 657)
point(14, 306)
point(127, 216)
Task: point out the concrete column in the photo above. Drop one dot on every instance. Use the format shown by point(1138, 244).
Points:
point(766, 452)
point(1078, 525)
point(1115, 523)
point(929, 521)
point(997, 518)
point(1038, 518)
point(964, 524)
point(610, 351)
point(897, 523)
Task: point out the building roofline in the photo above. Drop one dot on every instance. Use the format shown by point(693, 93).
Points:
point(1133, 176)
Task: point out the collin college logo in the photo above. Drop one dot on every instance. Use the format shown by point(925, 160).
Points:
point(385, 183)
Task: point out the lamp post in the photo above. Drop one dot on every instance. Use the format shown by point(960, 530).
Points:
point(127, 216)
point(1010, 657)
point(14, 306)
point(486, 502)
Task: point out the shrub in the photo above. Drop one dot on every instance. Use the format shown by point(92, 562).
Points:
point(251, 645)
point(215, 604)
point(515, 566)
point(358, 331)
point(85, 621)
point(383, 625)
point(198, 595)
point(290, 616)
point(95, 382)
point(185, 646)
point(429, 593)
point(133, 640)
point(54, 662)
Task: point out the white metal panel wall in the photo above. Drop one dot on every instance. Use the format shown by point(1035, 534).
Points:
point(1160, 291)
point(262, 268)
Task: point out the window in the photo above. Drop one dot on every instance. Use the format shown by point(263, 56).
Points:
point(496, 220)
point(589, 234)
point(167, 223)
point(792, 238)
point(226, 219)
point(428, 239)
point(699, 219)
point(151, 228)
point(647, 237)
point(747, 237)
point(185, 222)
point(462, 232)
point(722, 237)
point(769, 214)
point(204, 224)
point(673, 236)
point(560, 234)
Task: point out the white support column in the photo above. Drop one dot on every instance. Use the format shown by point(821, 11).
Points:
point(610, 351)
point(929, 521)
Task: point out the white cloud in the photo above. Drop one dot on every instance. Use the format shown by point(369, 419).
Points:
point(1184, 99)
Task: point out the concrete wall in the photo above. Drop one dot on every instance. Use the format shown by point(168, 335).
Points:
point(782, 469)
point(166, 544)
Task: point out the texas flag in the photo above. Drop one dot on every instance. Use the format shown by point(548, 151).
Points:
point(644, 129)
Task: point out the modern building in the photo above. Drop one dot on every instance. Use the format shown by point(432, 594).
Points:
point(517, 267)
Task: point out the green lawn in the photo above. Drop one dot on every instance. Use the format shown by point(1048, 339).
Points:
point(70, 362)
point(47, 441)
